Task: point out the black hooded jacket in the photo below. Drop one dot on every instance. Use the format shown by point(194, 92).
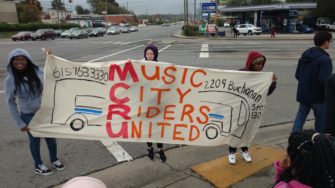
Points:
point(314, 68)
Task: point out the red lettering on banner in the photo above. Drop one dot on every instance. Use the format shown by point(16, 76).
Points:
point(196, 136)
point(192, 77)
point(141, 93)
point(204, 110)
point(123, 131)
point(182, 95)
point(155, 76)
point(188, 109)
point(150, 130)
point(151, 109)
point(159, 93)
point(139, 111)
point(176, 133)
point(173, 78)
point(163, 124)
point(120, 109)
point(166, 112)
point(128, 68)
point(136, 132)
point(184, 76)
point(112, 92)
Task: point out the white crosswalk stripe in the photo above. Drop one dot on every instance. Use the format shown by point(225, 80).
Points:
point(204, 51)
point(117, 151)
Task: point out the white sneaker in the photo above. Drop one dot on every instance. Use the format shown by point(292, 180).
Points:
point(232, 158)
point(246, 156)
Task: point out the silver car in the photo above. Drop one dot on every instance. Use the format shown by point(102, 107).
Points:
point(113, 31)
point(248, 29)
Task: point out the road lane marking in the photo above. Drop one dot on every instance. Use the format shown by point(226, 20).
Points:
point(113, 147)
point(116, 150)
point(164, 48)
point(204, 51)
point(123, 43)
point(104, 57)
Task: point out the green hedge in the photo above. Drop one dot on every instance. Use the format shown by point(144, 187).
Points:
point(33, 26)
point(190, 30)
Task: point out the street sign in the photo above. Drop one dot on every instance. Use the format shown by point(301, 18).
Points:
point(208, 9)
point(211, 28)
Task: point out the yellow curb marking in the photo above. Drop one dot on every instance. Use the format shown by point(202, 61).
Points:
point(221, 174)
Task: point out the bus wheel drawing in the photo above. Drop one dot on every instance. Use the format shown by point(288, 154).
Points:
point(212, 130)
point(77, 122)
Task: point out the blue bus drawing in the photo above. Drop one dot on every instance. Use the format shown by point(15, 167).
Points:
point(80, 104)
point(223, 114)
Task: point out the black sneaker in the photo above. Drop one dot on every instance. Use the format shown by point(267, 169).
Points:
point(162, 155)
point(43, 170)
point(58, 165)
point(150, 153)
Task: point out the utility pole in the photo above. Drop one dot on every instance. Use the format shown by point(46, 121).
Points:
point(106, 7)
point(185, 12)
point(195, 9)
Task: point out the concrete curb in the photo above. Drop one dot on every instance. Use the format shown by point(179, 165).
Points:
point(254, 37)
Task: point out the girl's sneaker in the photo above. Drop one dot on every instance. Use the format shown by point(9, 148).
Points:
point(232, 158)
point(150, 153)
point(162, 155)
point(58, 165)
point(246, 156)
point(43, 170)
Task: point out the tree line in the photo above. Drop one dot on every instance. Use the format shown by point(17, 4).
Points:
point(29, 11)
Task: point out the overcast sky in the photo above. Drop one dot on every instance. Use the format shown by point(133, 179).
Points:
point(152, 6)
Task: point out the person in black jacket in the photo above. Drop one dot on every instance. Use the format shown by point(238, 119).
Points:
point(314, 68)
point(330, 105)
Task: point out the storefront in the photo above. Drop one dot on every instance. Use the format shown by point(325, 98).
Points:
point(281, 17)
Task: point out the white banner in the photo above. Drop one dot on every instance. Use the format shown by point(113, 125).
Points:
point(143, 101)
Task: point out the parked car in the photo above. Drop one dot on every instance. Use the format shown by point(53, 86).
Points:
point(78, 34)
point(113, 31)
point(125, 29)
point(303, 28)
point(23, 35)
point(165, 24)
point(248, 29)
point(133, 29)
point(330, 26)
point(97, 32)
point(65, 34)
point(58, 32)
point(43, 34)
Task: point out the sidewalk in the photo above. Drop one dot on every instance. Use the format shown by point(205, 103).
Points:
point(177, 170)
point(263, 36)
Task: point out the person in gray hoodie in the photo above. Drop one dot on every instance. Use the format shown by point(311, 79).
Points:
point(23, 91)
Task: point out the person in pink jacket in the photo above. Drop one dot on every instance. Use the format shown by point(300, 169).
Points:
point(310, 162)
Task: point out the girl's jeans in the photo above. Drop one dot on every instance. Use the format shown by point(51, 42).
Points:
point(34, 143)
point(319, 114)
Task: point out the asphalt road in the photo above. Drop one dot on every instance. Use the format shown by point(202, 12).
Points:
point(84, 157)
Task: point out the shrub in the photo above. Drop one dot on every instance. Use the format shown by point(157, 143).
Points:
point(190, 30)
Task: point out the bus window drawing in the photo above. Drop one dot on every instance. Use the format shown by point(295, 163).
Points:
point(75, 104)
point(223, 115)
